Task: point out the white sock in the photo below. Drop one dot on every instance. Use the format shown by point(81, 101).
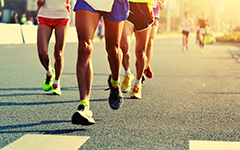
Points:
point(49, 72)
point(128, 72)
point(56, 82)
point(137, 82)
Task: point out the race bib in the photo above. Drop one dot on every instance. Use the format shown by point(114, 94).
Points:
point(101, 5)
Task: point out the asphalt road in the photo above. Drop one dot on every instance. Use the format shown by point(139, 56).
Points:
point(193, 96)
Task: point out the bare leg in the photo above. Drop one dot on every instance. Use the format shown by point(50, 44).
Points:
point(60, 34)
point(149, 51)
point(43, 35)
point(140, 51)
point(113, 32)
point(125, 44)
point(86, 24)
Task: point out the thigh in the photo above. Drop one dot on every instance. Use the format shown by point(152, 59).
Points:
point(86, 24)
point(60, 35)
point(142, 39)
point(43, 36)
point(128, 29)
point(113, 32)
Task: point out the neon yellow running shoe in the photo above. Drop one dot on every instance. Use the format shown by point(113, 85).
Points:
point(137, 91)
point(126, 84)
point(56, 89)
point(47, 85)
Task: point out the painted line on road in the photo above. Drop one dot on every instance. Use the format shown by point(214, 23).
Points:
point(53, 142)
point(213, 145)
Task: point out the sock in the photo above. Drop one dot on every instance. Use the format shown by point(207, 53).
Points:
point(114, 83)
point(128, 72)
point(84, 102)
point(49, 72)
point(56, 81)
point(137, 82)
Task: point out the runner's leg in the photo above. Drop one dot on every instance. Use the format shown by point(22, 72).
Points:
point(60, 34)
point(113, 32)
point(43, 36)
point(140, 51)
point(125, 44)
point(86, 24)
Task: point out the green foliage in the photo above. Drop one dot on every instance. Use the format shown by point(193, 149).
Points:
point(231, 37)
point(236, 29)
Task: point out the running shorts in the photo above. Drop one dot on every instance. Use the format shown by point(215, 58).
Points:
point(185, 32)
point(202, 31)
point(119, 10)
point(140, 16)
point(53, 23)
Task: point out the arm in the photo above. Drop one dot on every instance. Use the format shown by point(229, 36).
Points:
point(40, 3)
point(162, 4)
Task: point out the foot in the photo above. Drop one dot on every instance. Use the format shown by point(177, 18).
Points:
point(184, 48)
point(115, 98)
point(56, 89)
point(201, 49)
point(47, 85)
point(137, 92)
point(148, 72)
point(83, 116)
point(126, 84)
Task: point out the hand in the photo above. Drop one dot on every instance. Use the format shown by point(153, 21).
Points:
point(162, 4)
point(40, 3)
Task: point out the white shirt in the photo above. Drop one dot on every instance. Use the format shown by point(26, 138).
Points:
point(186, 25)
point(55, 9)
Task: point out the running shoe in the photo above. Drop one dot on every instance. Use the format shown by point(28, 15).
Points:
point(201, 49)
point(137, 92)
point(184, 48)
point(115, 98)
point(148, 72)
point(47, 85)
point(126, 84)
point(56, 89)
point(83, 116)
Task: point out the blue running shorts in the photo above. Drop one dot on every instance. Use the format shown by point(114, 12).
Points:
point(119, 10)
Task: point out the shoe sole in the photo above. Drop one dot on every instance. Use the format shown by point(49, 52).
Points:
point(135, 97)
point(77, 119)
point(125, 91)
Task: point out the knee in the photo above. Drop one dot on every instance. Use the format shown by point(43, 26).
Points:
point(58, 55)
point(42, 52)
point(85, 49)
point(140, 54)
point(113, 50)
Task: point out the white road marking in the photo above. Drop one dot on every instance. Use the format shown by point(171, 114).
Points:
point(47, 142)
point(213, 145)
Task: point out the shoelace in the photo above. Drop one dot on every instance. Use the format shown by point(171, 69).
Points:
point(55, 86)
point(126, 80)
point(135, 89)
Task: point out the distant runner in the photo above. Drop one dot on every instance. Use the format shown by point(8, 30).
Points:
point(52, 14)
point(202, 23)
point(186, 28)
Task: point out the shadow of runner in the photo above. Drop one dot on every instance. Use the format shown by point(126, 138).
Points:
point(35, 103)
point(10, 127)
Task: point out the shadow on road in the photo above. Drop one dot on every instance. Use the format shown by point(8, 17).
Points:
point(8, 127)
point(35, 103)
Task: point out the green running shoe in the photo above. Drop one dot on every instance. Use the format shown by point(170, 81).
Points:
point(56, 89)
point(47, 85)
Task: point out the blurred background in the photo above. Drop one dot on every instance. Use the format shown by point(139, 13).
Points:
point(222, 14)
